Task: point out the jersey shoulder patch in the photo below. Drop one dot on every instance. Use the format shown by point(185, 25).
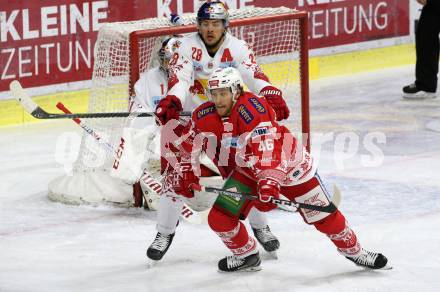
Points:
point(245, 114)
point(255, 102)
point(204, 110)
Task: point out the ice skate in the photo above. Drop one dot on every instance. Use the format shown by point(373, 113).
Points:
point(267, 240)
point(370, 260)
point(250, 263)
point(413, 92)
point(159, 246)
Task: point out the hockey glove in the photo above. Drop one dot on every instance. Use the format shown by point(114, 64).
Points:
point(168, 108)
point(274, 97)
point(267, 189)
point(184, 180)
point(175, 19)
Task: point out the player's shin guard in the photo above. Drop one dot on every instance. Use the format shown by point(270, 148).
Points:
point(336, 228)
point(233, 233)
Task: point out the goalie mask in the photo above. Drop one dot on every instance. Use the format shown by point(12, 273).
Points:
point(213, 10)
point(226, 78)
point(166, 52)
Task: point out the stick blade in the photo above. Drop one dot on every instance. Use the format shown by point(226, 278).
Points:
point(336, 196)
point(22, 97)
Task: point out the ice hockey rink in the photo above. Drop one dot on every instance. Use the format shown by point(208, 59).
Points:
point(394, 206)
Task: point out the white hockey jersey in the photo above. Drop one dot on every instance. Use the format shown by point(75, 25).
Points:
point(191, 66)
point(150, 88)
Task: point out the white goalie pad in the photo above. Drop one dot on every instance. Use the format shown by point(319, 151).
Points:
point(130, 155)
point(90, 188)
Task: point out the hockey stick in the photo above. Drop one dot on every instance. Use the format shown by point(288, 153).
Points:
point(153, 184)
point(37, 112)
point(327, 209)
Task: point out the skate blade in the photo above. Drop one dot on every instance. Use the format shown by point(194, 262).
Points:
point(250, 269)
point(386, 267)
point(419, 95)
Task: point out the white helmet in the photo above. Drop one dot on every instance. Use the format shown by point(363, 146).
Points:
point(167, 49)
point(228, 77)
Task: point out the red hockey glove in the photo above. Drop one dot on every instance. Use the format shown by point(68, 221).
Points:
point(168, 108)
point(274, 97)
point(267, 189)
point(184, 180)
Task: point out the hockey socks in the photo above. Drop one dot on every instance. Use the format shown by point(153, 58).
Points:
point(344, 238)
point(233, 233)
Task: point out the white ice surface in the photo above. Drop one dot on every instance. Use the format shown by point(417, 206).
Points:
point(394, 208)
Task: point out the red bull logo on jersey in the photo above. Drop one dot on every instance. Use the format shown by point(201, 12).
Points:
point(245, 114)
point(257, 105)
point(197, 88)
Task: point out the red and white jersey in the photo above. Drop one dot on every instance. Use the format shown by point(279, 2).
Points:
point(249, 141)
point(191, 66)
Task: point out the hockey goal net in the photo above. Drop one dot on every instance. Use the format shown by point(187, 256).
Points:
point(278, 37)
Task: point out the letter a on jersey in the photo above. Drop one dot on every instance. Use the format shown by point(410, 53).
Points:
point(226, 57)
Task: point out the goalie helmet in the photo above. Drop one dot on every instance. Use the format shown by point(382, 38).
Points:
point(167, 50)
point(225, 78)
point(213, 10)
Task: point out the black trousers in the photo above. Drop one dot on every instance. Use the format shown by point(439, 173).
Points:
point(427, 46)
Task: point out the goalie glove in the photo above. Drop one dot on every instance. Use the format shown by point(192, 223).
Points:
point(183, 180)
point(168, 108)
point(274, 97)
point(267, 189)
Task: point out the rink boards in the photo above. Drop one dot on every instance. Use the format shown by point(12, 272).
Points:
point(319, 67)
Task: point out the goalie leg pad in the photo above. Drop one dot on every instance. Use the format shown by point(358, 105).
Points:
point(130, 155)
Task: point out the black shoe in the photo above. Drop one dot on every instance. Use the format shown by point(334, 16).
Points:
point(267, 240)
point(370, 260)
point(413, 92)
point(159, 246)
point(235, 264)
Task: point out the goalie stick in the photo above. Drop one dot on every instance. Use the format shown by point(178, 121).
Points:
point(153, 184)
point(37, 112)
point(327, 209)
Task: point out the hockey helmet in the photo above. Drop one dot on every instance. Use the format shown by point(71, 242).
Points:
point(213, 10)
point(167, 50)
point(228, 77)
